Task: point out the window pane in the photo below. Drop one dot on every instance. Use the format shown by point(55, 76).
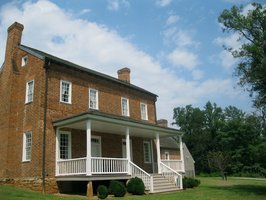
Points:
point(125, 107)
point(93, 99)
point(147, 152)
point(65, 92)
point(64, 146)
point(27, 143)
point(143, 111)
point(29, 90)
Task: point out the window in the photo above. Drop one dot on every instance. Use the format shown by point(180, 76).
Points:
point(147, 151)
point(27, 143)
point(125, 106)
point(65, 145)
point(143, 111)
point(29, 91)
point(65, 91)
point(167, 155)
point(93, 99)
point(24, 61)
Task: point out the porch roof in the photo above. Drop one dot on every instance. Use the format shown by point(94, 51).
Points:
point(108, 123)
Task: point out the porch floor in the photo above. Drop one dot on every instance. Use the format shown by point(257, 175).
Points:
point(97, 177)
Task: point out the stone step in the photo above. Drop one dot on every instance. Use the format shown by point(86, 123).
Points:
point(162, 184)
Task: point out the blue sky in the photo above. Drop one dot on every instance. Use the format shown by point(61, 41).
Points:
point(173, 47)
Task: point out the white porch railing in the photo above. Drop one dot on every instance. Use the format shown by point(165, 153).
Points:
point(75, 166)
point(174, 164)
point(147, 179)
point(172, 175)
point(101, 165)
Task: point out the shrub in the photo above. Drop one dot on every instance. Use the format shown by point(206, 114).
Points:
point(190, 182)
point(136, 186)
point(117, 189)
point(102, 192)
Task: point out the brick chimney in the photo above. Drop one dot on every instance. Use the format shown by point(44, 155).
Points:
point(14, 33)
point(124, 74)
point(162, 122)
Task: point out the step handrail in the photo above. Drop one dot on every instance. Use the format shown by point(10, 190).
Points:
point(172, 174)
point(147, 179)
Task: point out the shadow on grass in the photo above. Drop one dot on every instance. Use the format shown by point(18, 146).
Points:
point(255, 189)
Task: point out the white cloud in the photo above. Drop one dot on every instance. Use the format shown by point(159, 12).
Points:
point(163, 3)
point(172, 19)
point(197, 74)
point(183, 58)
point(56, 31)
point(115, 5)
point(226, 59)
point(180, 38)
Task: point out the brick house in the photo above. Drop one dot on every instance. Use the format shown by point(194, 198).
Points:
point(64, 124)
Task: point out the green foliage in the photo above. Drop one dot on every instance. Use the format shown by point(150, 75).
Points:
point(250, 27)
point(189, 182)
point(222, 134)
point(136, 186)
point(117, 188)
point(102, 192)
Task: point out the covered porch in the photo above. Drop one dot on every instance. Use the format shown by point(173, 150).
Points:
point(110, 146)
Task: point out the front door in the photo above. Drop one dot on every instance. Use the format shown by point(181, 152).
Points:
point(96, 146)
point(124, 149)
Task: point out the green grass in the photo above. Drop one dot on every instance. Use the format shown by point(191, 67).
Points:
point(210, 189)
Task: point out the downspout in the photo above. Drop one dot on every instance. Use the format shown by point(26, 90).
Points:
point(46, 67)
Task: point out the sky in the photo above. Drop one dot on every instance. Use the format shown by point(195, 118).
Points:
point(174, 48)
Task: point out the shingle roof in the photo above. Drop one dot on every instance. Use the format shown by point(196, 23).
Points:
point(43, 55)
point(169, 143)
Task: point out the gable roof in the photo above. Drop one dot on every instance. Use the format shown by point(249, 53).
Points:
point(169, 143)
point(48, 57)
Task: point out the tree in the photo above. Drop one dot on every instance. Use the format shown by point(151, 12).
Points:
point(214, 134)
point(251, 29)
point(218, 160)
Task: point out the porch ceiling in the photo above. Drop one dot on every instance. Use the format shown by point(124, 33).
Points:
point(115, 125)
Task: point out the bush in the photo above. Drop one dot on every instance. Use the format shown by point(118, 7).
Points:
point(117, 189)
point(136, 186)
point(190, 182)
point(102, 192)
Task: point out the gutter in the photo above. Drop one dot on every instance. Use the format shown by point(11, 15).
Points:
point(46, 67)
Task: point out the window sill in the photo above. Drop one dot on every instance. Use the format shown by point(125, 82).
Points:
point(67, 103)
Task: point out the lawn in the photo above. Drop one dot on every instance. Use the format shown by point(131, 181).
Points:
point(210, 189)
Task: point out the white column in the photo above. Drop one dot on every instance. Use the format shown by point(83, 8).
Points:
point(88, 136)
point(128, 149)
point(181, 153)
point(158, 153)
point(57, 157)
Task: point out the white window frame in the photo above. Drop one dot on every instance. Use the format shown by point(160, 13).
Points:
point(125, 111)
point(29, 92)
point(69, 91)
point(143, 112)
point(27, 146)
point(69, 148)
point(95, 101)
point(24, 61)
point(167, 155)
point(147, 155)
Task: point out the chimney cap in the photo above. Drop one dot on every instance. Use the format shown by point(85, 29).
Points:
point(125, 69)
point(15, 25)
point(124, 74)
